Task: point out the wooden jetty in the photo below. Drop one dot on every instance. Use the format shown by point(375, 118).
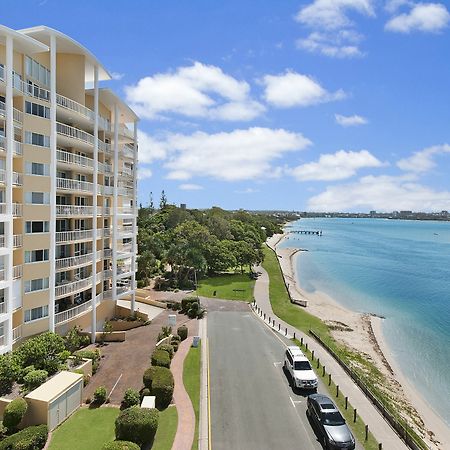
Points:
point(317, 233)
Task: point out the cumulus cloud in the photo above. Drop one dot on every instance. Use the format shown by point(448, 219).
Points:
point(423, 160)
point(231, 156)
point(294, 89)
point(393, 6)
point(144, 172)
point(333, 14)
point(190, 187)
point(150, 149)
point(350, 121)
point(337, 166)
point(381, 193)
point(117, 75)
point(341, 44)
point(199, 90)
point(425, 17)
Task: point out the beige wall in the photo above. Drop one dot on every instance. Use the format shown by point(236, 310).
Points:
point(70, 76)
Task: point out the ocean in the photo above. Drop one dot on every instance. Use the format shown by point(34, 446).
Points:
point(397, 269)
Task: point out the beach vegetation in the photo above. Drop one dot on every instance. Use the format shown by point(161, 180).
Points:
point(137, 425)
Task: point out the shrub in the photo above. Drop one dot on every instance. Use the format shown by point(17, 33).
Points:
point(14, 412)
point(121, 445)
point(175, 346)
point(175, 338)
point(167, 348)
point(74, 340)
point(137, 425)
point(144, 393)
point(44, 352)
point(34, 379)
point(162, 387)
point(165, 332)
point(182, 332)
point(90, 354)
point(100, 395)
point(8, 373)
point(187, 302)
point(86, 378)
point(160, 358)
point(131, 398)
point(3, 431)
point(31, 438)
point(149, 375)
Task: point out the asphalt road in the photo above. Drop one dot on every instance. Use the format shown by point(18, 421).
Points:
point(252, 403)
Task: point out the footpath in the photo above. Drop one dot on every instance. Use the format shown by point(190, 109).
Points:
point(367, 411)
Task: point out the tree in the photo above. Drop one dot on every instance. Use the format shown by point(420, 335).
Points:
point(163, 200)
point(150, 205)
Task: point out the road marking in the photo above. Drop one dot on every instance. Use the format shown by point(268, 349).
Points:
point(118, 379)
point(292, 401)
point(209, 400)
point(278, 363)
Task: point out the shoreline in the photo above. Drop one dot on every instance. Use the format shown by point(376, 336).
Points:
point(363, 333)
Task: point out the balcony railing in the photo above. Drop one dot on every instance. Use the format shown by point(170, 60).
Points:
point(77, 311)
point(68, 103)
point(74, 210)
point(74, 185)
point(72, 286)
point(2, 274)
point(125, 210)
point(123, 269)
point(17, 209)
point(3, 308)
point(127, 152)
point(17, 333)
point(17, 179)
point(107, 190)
point(17, 115)
point(104, 147)
point(76, 235)
point(2, 176)
point(73, 158)
point(74, 133)
point(76, 261)
point(18, 148)
point(17, 271)
point(17, 241)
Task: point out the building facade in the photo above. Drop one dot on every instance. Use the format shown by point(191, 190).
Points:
point(68, 160)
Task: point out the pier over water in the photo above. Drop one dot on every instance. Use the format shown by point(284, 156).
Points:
point(317, 233)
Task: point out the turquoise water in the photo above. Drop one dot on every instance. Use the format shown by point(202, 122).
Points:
point(397, 269)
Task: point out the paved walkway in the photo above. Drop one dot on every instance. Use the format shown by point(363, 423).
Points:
point(150, 310)
point(377, 425)
point(184, 436)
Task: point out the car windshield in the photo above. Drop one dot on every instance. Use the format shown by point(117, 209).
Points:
point(333, 418)
point(302, 365)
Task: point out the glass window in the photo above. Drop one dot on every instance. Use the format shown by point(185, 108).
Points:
point(37, 139)
point(33, 168)
point(32, 256)
point(37, 226)
point(36, 285)
point(36, 313)
point(37, 198)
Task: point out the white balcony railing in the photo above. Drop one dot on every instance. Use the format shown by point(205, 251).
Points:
point(17, 241)
point(2, 241)
point(70, 287)
point(17, 333)
point(68, 103)
point(74, 210)
point(17, 209)
point(107, 190)
point(2, 175)
point(77, 261)
point(74, 133)
point(18, 148)
point(73, 185)
point(76, 311)
point(127, 152)
point(2, 274)
point(17, 271)
point(17, 115)
point(76, 235)
point(125, 210)
point(73, 158)
point(3, 308)
point(104, 147)
point(17, 179)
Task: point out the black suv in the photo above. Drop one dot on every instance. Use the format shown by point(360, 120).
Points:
point(333, 431)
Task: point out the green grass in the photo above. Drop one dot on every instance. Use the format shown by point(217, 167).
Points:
point(85, 429)
point(191, 380)
point(225, 286)
point(167, 428)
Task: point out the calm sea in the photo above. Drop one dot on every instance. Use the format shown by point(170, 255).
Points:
point(398, 269)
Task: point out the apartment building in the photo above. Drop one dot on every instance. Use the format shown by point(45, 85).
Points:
point(68, 159)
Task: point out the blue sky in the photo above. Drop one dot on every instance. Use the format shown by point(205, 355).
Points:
point(305, 105)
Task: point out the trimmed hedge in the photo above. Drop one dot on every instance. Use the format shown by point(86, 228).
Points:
point(144, 393)
point(149, 375)
point(131, 398)
point(182, 332)
point(31, 438)
point(167, 348)
point(121, 445)
point(90, 354)
point(160, 358)
point(14, 412)
point(175, 346)
point(137, 425)
point(162, 387)
point(34, 379)
point(100, 395)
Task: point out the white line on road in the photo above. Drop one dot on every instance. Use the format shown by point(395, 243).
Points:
point(277, 363)
point(292, 401)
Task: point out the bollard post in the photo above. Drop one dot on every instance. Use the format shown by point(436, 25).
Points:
point(367, 432)
point(264, 316)
point(346, 402)
point(354, 415)
point(329, 379)
point(337, 390)
point(323, 371)
point(306, 345)
point(380, 446)
point(294, 334)
point(285, 333)
point(312, 355)
point(301, 342)
point(279, 327)
point(318, 362)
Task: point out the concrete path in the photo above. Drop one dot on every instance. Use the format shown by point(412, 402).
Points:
point(151, 311)
point(368, 412)
point(184, 436)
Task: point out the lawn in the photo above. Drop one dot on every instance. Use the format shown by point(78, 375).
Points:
point(230, 286)
point(85, 429)
point(191, 381)
point(167, 428)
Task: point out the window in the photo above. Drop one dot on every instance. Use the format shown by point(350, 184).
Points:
point(37, 198)
point(37, 139)
point(32, 256)
point(37, 71)
point(38, 226)
point(36, 313)
point(38, 284)
point(37, 110)
point(33, 168)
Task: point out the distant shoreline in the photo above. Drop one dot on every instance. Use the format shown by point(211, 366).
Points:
point(366, 336)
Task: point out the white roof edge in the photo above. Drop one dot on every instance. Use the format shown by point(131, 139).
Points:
point(59, 34)
point(38, 46)
point(110, 93)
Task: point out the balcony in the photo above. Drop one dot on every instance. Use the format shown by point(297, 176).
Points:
point(107, 190)
point(125, 210)
point(17, 241)
point(17, 272)
point(73, 185)
point(17, 209)
point(17, 115)
point(17, 179)
point(77, 261)
point(74, 106)
point(74, 210)
point(2, 176)
point(71, 287)
point(69, 132)
point(127, 152)
point(17, 149)
point(74, 159)
point(76, 235)
point(77, 311)
point(2, 274)
point(3, 308)
point(17, 333)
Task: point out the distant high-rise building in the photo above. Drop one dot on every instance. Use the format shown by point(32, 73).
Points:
point(68, 159)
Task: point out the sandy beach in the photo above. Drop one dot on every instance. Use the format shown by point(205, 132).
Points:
point(363, 333)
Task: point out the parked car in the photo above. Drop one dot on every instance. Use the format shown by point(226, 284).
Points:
point(331, 427)
point(299, 369)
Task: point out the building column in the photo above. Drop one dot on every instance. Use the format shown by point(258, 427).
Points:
point(116, 185)
point(94, 203)
point(9, 231)
point(52, 250)
point(134, 241)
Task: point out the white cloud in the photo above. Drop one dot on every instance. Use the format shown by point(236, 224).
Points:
point(231, 156)
point(190, 187)
point(426, 17)
point(247, 191)
point(337, 166)
point(294, 89)
point(423, 160)
point(333, 14)
point(341, 44)
point(393, 6)
point(144, 172)
point(150, 149)
point(198, 90)
point(117, 76)
point(381, 193)
point(350, 121)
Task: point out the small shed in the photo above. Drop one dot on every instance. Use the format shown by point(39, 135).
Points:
point(55, 400)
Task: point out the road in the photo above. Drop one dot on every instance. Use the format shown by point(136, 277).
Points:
point(252, 403)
